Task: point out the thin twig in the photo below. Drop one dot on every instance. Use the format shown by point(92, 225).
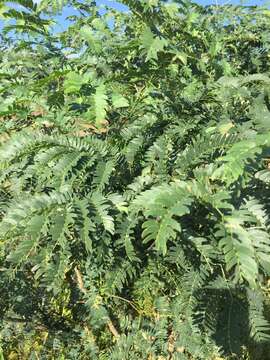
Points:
point(80, 280)
point(126, 300)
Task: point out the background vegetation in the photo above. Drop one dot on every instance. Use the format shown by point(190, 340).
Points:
point(134, 172)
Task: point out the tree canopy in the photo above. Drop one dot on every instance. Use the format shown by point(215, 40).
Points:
point(134, 182)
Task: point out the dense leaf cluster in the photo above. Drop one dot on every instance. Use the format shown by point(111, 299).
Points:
point(134, 182)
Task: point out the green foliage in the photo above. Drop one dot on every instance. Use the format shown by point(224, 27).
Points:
point(134, 182)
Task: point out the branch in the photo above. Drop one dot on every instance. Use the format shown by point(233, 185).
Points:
point(112, 329)
point(81, 286)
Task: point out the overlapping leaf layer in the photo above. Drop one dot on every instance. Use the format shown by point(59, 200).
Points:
point(134, 182)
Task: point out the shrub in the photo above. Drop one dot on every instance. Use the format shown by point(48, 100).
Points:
point(135, 182)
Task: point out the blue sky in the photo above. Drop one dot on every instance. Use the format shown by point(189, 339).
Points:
point(203, 2)
point(119, 6)
point(62, 23)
